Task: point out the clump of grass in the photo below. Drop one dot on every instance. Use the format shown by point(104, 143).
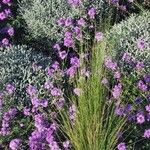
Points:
point(96, 127)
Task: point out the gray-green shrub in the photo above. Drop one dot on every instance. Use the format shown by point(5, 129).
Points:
point(126, 35)
point(20, 65)
point(41, 15)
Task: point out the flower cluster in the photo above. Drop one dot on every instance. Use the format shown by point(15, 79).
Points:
point(5, 31)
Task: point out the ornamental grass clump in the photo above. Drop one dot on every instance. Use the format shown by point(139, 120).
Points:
point(131, 39)
point(91, 122)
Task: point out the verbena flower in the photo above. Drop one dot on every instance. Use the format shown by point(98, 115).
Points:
point(140, 44)
point(140, 118)
point(92, 13)
point(15, 144)
point(146, 133)
point(121, 146)
point(99, 36)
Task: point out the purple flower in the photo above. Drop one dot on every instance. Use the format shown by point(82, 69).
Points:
point(57, 46)
point(99, 36)
point(75, 61)
point(31, 90)
point(68, 42)
point(147, 78)
point(92, 13)
point(126, 57)
point(72, 112)
point(66, 144)
point(48, 85)
point(117, 75)
point(116, 91)
point(2, 16)
point(6, 1)
point(74, 2)
point(142, 86)
point(121, 146)
point(78, 32)
point(71, 71)
point(61, 21)
point(10, 88)
point(10, 31)
point(55, 65)
point(15, 144)
point(139, 65)
point(56, 92)
point(60, 103)
point(119, 110)
point(68, 22)
point(7, 12)
point(110, 64)
point(5, 42)
point(147, 107)
point(140, 118)
point(140, 43)
point(81, 22)
point(62, 55)
point(146, 133)
point(26, 111)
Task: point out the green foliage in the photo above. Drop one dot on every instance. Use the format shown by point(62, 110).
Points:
point(21, 66)
point(95, 126)
point(41, 16)
point(125, 36)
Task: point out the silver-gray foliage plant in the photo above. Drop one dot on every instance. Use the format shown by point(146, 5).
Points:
point(125, 37)
point(21, 66)
point(41, 15)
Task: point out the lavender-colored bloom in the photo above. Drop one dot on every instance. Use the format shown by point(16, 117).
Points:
point(110, 64)
point(139, 65)
point(26, 111)
point(48, 85)
point(55, 65)
point(5, 42)
point(142, 86)
point(78, 32)
point(74, 3)
point(99, 36)
point(121, 146)
point(66, 144)
point(77, 91)
point(50, 71)
point(117, 75)
point(81, 22)
point(10, 88)
point(62, 54)
point(68, 22)
point(119, 110)
point(68, 34)
point(61, 21)
point(43, 102)
point(140, 44)
point(140, 118)
point(146, 133)
point(15, 144)
point(31, 90)
point(116, 91)
point(126, 57)
point(6, 1)
point(72, 112)
point(71, 71)
point(75, 61)
point(147, 78)
point(60, 103)
point(68, 42)
point(56, 92)
point(147, 108)
point(57, 46)
point(7, 12)
point(10, 31)
point(92, 13)
point(2, 16)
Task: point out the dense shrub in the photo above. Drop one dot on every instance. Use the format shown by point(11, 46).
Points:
point(132, 37)
point(21, 66)
point(41, 16)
